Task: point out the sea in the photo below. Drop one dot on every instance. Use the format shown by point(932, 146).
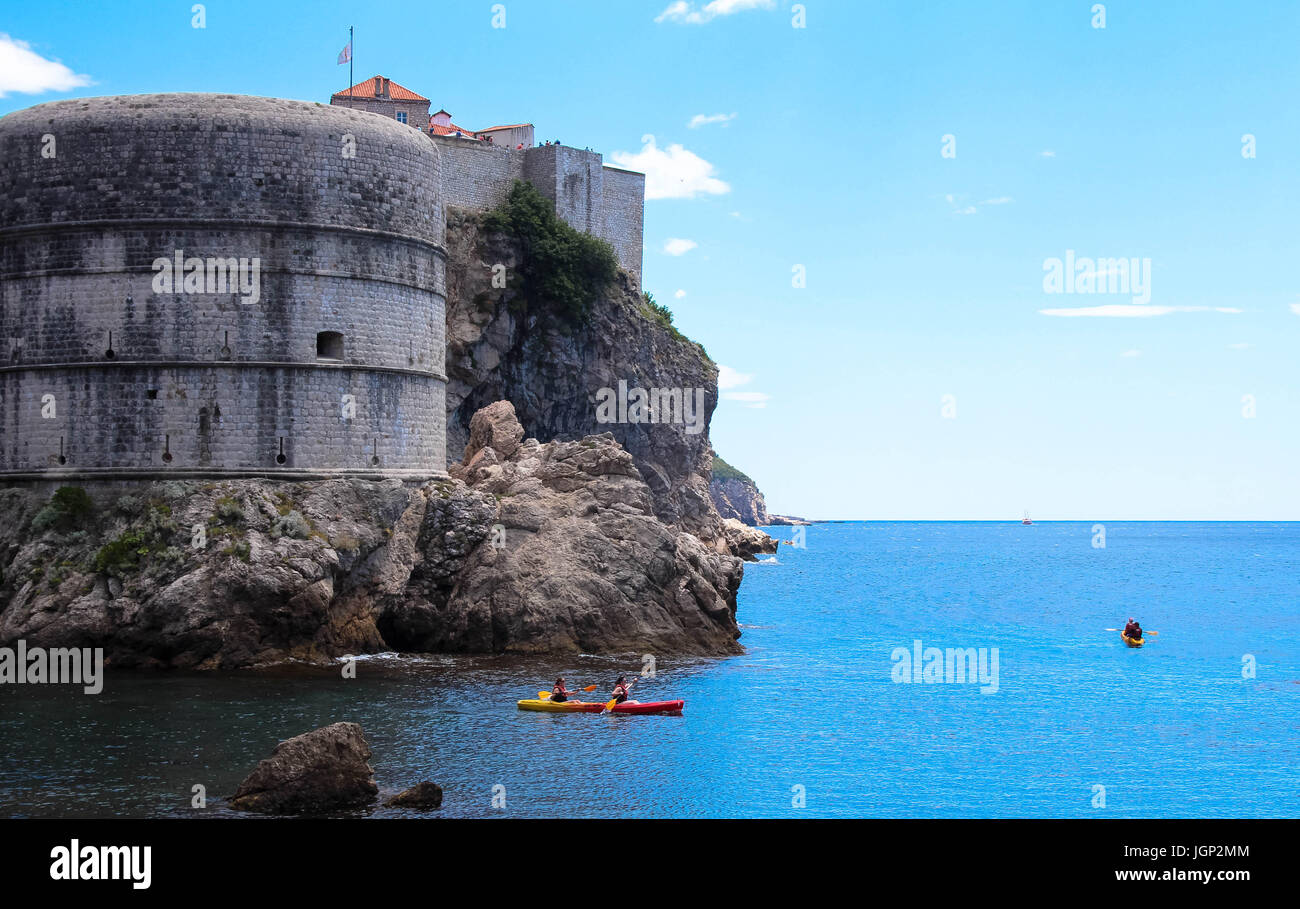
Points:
point(827, 714)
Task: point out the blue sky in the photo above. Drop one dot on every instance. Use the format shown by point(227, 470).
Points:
point(924, 273)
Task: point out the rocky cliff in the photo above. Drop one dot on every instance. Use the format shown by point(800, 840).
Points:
point(736, 496)
point(501, 348)
point(586, 536)
point(540, 547)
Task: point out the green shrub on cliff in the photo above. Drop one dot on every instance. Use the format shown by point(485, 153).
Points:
point(724, 471)
point(562, 270)
point(657, 312)
point(292, 524)
point(121, 556)
point(125, 554)
point(228, 511)
point(68, 507)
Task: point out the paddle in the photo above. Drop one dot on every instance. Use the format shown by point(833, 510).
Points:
point(543, 695)
point(614, 703)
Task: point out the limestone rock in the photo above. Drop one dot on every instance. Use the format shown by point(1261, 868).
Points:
point(189, 575)
point(423, 796)
point(578, 562)
point(557, 546)
point(318, 772)
point(551, 373)
point(785, 520)
point(736, 496)
point(496, 426)
point(747, 541)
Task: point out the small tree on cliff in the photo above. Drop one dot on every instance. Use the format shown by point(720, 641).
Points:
point(562, 270)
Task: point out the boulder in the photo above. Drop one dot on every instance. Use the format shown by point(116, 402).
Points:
point(423, 796)
point(321, 771)
point(558, 548)
point(747, 541)
point(494, 426)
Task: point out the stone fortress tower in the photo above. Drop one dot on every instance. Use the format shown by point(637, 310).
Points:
point(296, 330)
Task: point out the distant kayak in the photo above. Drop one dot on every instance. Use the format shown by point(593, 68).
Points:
point(1132, 642)
point(669, 708)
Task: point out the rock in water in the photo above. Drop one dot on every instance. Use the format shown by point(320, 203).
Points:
point(317, 772)
point(424, 796)
point(747, 541)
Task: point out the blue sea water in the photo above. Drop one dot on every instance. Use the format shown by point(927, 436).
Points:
point(810, 721)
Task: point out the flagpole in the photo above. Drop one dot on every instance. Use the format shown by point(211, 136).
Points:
point(351, 53)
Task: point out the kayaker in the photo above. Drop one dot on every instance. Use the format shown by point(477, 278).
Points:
point(559, 694)
point(621, 690)
point(1133, 630)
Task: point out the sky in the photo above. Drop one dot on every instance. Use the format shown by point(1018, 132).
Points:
point(855, 207)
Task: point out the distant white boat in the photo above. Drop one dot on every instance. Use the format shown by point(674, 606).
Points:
point(1026, 520)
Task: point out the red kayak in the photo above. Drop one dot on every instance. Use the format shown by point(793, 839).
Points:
point(636, 708)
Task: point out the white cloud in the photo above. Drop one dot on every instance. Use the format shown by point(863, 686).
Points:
point(959, 208)
point(1240, 345)
point(680, 294)
point(1047, 154)
point(706, 119)
point(753, 399)
point(677, 246)
point(687, 12)
point(23, 70)
point(1295, 308)
point(1132, 311)
point(1131, 353)
point(729, 378)
point(672, 173)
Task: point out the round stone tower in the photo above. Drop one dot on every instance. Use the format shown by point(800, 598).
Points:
point(219, 285)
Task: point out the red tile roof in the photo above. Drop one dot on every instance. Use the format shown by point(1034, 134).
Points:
point(451, 130)
point(366, 89)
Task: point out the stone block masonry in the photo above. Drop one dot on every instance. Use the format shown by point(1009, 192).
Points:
point(337, 369)
point(606, 202)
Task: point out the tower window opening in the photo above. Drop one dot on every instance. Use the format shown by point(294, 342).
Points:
point(329, 345)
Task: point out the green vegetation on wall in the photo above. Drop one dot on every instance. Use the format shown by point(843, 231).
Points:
point(69, 507)
point(562, 270)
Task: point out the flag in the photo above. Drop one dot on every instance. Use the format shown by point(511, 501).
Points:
point(345, 55)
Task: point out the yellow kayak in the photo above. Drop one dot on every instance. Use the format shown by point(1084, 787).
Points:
point(1132, 642)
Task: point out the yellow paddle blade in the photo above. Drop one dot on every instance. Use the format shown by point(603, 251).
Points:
point(543, 695)
point(612, 704)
